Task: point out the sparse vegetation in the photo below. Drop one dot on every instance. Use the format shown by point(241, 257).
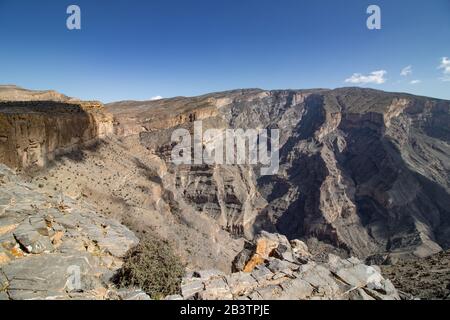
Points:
point(153, 267)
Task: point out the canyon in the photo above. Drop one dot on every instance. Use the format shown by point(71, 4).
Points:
point(363, 179)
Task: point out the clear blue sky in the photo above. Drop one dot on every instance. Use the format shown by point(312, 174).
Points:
point(139, 49)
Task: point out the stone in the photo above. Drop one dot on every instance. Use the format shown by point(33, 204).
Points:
point(3, 281)
point(4, 258)
point(116, 239)
point(271, 292)
point(284, 253)
point(241, 283)
point(205, 275)
point(31, 240)
point(321, 277)
point(359, 294)
point(276, 266)
point(360, 276)
point(189, 289)
point(264, 246)
point(241, 259)
point(49, 276)
point(254, 261)
point(300, 249)
point(216, 289)
point(376, 259)
point(261, 274)
point(296, 289)
point(133, 294)
point(7, 228)
point(380, 296)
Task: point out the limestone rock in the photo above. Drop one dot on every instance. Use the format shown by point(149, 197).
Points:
point(49, 253)
point(280, 279)
point(35, 132)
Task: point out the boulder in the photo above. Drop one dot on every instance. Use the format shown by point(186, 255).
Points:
point(281, 279)
point(216, 289)
point(189, 287)
point(264, 246)
point(241, 283)
point(296, 289)
point(300, 249)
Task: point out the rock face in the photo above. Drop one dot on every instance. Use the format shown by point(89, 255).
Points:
point(363, 170)
point(35, 127)
point(282, 273)
point(53, 247)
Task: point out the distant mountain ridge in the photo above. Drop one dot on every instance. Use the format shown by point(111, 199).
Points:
point(15, 93)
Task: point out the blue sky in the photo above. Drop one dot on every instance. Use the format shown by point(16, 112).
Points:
point(140, 49)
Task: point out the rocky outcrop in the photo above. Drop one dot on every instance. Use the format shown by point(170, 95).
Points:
point(54, 247)
point(32, 133)
point(280, 270)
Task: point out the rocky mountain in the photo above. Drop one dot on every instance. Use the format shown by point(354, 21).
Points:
point(363, 176)
point(363, 170)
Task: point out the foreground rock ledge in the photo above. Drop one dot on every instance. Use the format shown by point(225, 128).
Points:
point(53, 247)
point(279, 269)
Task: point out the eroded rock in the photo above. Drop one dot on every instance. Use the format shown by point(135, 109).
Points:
point(277, 278)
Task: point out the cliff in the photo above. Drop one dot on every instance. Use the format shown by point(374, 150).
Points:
point(32, 133)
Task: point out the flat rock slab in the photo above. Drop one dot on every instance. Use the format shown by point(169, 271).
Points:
point(51, 276)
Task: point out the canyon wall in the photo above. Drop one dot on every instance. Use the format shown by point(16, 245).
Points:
point(32, 133)
point(363, 170)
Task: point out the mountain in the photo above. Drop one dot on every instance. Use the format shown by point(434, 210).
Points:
point(15, 93)
point(363, 176)
point(363, 170)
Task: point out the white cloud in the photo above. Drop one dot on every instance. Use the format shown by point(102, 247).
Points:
point(406, 71)
point(156, 98)
point(445, 66)
point(415, 81)
point(376, 77)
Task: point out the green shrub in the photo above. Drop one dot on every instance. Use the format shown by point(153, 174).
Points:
point(153, 267)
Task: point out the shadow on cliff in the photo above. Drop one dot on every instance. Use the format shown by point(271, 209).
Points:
point(40, 132)
point(369, 160)
point(306, 174)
